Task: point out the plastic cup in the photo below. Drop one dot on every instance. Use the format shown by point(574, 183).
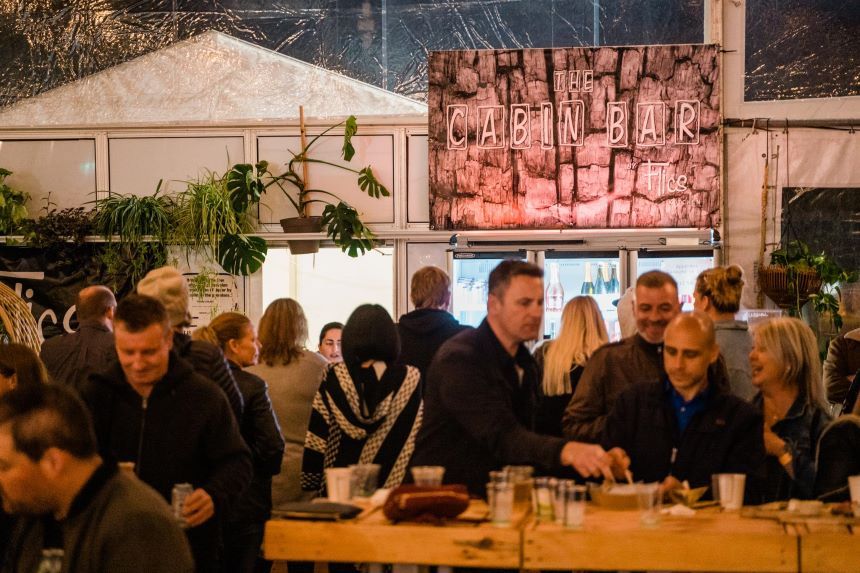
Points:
point(500, 496)
point(574, 505)
point(650, 501)
point(854, 488)
point(543, 498)
point(729, 490)
point(428, 475)
point(338, 484)
point(365, 478)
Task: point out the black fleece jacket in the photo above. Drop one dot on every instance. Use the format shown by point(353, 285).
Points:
point(207, 360)
point(725, 437)
point(422, 332)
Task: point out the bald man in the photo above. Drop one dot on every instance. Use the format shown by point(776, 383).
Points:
point(689, 425)
point(70, 358)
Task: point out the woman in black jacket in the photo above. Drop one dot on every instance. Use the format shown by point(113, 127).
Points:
point(243, 531)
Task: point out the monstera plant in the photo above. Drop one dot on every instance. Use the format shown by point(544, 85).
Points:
point(340, 221)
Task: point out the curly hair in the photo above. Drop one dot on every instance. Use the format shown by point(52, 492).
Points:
point(723, 286)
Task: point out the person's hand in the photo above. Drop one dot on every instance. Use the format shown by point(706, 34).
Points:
point(669, 484)
point(773, 444)
point(589, 460)
point(620, 463)
point(198, 508)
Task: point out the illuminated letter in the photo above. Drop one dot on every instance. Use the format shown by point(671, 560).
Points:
point(616, 123)
point(457, 122)
point(487, 120)
point(546, 131)
point(521, 126)
point(571, 117)
point(687, 115)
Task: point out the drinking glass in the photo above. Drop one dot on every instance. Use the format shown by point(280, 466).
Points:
point(729, 490)
point(501, 500)
point(365, 478)
point(338, 483)
point(650, 500)
point(574, 505)
point(428, 475)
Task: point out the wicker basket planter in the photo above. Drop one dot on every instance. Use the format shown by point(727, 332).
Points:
point(774, 282)
point(18, 321)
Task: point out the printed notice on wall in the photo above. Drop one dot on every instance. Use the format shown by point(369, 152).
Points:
point(213, 293)
point(607, 137)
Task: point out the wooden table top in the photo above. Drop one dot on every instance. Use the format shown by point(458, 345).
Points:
point(371, 538)
point(710, 540)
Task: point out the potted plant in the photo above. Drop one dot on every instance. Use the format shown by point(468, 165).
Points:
point(798, 275)
point(13, 205)
point(207, 220)
point(340, 221)
point(137, 231)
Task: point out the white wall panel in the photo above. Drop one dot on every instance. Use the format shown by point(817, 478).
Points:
point(418, 184)
point(137, 164)
point(65, 168)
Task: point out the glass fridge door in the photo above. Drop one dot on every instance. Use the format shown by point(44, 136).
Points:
point(572, 273)
point(469, 283)
point(684, 266)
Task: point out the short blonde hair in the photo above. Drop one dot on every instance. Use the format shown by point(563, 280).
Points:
point(582, 332)
point(792, 343)
point(723, 286)
point(430, 288)
point(283, 332)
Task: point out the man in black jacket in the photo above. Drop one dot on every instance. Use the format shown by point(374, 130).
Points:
point(176, 427)
point(70, 358)
point(688, 426)
point(168, 286)
point(481, 389)
point(426, 328)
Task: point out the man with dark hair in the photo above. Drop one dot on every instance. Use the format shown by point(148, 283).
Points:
point(615, 366)
point(689, 425)
point(152, 409)
point(78, 513)
point(70, 358)
point(426, 328)
point(481, 389)
point(169, 287)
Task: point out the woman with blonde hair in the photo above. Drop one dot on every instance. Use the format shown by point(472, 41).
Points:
point(235, 335)
point(718, 294)
point(786, 369)
point(294, 374)
point(562, 360)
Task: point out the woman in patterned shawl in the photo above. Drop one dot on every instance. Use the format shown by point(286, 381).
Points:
point(368, 409)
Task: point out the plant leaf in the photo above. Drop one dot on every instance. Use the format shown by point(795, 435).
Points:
point(350, 129)
point(344, 227)
point(242, 255)
point(368, 183)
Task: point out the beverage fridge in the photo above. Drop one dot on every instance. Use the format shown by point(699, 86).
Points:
point(572, 273)
point(683, 265)
point(470, 272)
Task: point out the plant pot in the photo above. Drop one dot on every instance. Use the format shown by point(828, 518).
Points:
point(302, 225)
point(774, 282)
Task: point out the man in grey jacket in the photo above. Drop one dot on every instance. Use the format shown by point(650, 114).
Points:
point(70, 358)
point(78, 513)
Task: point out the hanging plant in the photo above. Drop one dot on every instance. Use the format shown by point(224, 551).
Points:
point(207, 221)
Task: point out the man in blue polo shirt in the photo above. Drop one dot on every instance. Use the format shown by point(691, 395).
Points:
point(688, 426)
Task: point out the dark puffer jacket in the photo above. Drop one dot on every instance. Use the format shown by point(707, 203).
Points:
point(207, 360)
point(725, 437)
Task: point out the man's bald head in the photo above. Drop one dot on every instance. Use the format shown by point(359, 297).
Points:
point(95, 303)
point(695, 322)
point(689, 348)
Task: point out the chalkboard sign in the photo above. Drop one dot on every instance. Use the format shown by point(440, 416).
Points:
point(827, 219)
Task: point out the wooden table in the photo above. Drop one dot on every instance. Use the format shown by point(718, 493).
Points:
point(708, 541)
point(829, 547)
point(371, 538)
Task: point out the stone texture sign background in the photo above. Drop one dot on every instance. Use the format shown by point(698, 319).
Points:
point(623, 137)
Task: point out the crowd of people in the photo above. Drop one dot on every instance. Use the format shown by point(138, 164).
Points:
point(104, 429)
